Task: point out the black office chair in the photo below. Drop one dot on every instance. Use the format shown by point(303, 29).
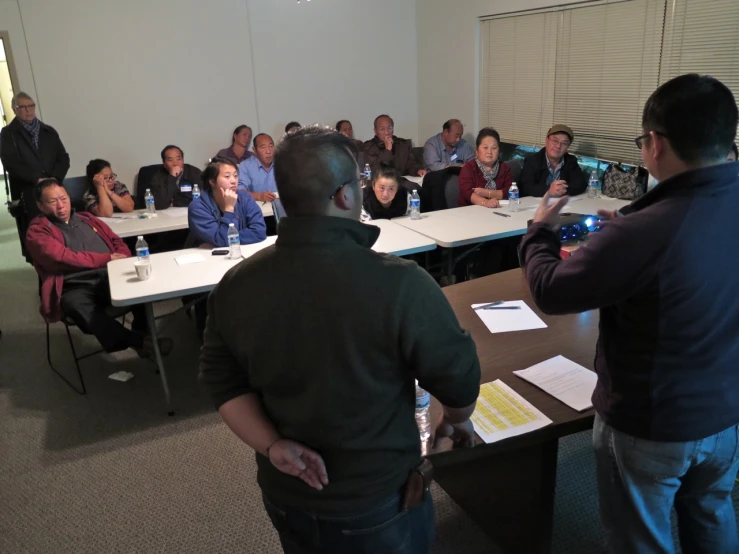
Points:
point(76, 188)
point(143, 182)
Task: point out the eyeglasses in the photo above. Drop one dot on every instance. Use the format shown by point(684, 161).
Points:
point(388, 128)
point(25, 107)
point(640, 140)
point(560, 144)
point(111, 177)
point(338, 190)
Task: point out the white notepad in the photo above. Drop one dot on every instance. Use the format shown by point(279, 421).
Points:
point(503, 321)
point(189, 259)
point(565, 380)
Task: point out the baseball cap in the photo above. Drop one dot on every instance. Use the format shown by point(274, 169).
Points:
point(561, 129)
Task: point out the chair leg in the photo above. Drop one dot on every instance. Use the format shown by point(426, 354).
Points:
point(82, 389)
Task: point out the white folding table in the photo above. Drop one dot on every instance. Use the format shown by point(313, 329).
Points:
point(172, 219)
point(171, 280)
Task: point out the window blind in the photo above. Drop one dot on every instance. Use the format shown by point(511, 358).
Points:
point(702, 36)
point(518, 57)
point(607, 65)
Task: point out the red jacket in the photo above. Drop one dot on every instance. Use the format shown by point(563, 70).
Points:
point(471, 178)
point(52, 259)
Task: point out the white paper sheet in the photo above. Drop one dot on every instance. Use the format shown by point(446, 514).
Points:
point(565, 380)
point(189, 259)
point(501, 413)
point(414, 179)
point(174, 212)
point(503, 321)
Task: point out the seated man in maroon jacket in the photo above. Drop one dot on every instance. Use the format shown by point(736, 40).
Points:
point(70, 252)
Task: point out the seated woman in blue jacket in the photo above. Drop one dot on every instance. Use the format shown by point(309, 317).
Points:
point(221, 204)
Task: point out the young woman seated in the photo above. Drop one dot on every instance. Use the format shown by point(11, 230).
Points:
point(385, 199)
point(105, 194)
point(484, 180)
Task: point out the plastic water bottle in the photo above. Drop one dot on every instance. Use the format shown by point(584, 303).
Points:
point(593, 185)
point(149, 199)
point(514, 200)
point(195, 192)
point(415, 205)
point(234, 243)
point(423, 418)
point(142, 250)
point(367, 173)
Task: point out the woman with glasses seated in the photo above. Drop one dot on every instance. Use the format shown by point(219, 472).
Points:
point(485, 180)
point(385, 198)
point(105, 194)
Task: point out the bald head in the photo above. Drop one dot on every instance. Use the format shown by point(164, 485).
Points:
point(312, 165)
point(452, 132)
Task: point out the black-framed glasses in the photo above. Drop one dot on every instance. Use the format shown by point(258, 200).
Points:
point(338, 190)
point(640, 140)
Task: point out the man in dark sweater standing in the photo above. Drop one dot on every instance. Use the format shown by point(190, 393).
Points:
point(667, 359)
point(318, 377)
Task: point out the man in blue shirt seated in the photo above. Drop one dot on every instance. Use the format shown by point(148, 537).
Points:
point(222, 204)
point(256, 175)
point(448, 148)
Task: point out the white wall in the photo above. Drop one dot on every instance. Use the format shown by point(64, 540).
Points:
point(120, 79)
point(328, 60)
point(448, 57)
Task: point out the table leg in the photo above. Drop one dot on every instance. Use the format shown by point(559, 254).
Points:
point(450, 265)
point(158, 355)
point(509, 495)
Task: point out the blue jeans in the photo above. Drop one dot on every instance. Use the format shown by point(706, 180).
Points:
point(639, 482)
point(385, 529)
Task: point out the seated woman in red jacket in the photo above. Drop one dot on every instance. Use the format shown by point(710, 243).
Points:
point(484, 180)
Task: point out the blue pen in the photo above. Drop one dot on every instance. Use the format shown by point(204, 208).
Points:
point(486, 306)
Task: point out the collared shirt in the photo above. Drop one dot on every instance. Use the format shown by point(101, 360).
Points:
point(553, 172)
point(253, 177)
point(436, 156)
point(90, 198)
point(81, 237)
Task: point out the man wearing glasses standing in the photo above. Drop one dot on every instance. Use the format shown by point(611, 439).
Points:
point(552, 169)
point(30, 151)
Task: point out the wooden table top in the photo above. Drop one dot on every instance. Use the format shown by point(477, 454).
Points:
point(573, 336)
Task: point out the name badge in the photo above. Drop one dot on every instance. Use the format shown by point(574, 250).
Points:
point(185, 187)
point(453, 157)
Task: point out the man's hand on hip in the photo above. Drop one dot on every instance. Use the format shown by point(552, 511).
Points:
point(298, 460)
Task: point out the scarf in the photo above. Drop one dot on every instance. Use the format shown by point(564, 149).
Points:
point(489, 174)
point(34, 129)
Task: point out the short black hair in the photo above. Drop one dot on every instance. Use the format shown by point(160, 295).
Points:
point(94, 167)
point(380, 117)
point(698, 116)
point(308, 164)
point(238, 130)
point(341, 122)
point(386, 171)
point(448, 124)
point(487, 132)
point(254, 140)
point(170, 147)
point(291, 125)
point(213, 170)
point(41, 186)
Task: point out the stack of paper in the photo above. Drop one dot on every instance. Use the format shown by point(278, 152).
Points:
point(186, 259)
point(565, 380)
point(509, 316)
point(503, 413)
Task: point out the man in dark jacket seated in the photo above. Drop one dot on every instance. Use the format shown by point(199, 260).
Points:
point(552, 169)
point(172, 184)
point(386, 148)
point(70, 252)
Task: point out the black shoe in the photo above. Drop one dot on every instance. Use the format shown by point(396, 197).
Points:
point(147, 349)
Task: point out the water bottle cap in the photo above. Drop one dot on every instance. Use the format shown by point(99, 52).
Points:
point(141, 237)
point(230, 224)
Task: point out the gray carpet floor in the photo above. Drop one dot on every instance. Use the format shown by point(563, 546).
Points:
point(110, 472)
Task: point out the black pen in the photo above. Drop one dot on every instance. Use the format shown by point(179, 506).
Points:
point(502, 308)
point(501, 215)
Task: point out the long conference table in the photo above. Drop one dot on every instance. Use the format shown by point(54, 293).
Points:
point(508, 487)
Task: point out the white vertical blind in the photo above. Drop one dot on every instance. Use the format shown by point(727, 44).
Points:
point(608, 60)
point(702, 36)
point(517, 75)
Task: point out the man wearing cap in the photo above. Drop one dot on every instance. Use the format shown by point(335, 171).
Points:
point(552, 169)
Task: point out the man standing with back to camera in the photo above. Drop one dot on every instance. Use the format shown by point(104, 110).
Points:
point(318, 378)
point(664, 276)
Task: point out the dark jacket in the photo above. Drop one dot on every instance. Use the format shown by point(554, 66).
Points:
point(26, 165)
point(52, 259)
point(398, 207)
point(400, 157)
point(471, 178)
point(334, 354)
point(533, 179)
point(168, 193)
point(208, 225)
point(665, 279)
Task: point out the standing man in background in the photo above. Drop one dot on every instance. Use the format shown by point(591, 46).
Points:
point(326, 396)
point(666, 428)
point(552, 169)
point(30, 151)
point(448, 148)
